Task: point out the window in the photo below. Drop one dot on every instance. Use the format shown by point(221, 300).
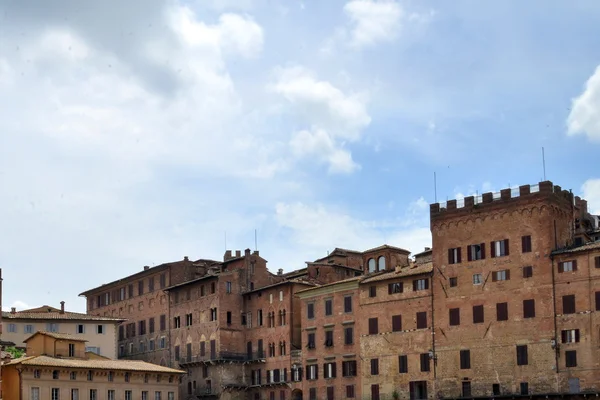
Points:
point(503, 275)
point(35, 393)
point(420, 284)
point(188, 320)
point(157, 395)
point(151, 284)
point(80, 328)
point(567, 266)
point(597, 301)
point(347, 304)
point(395, 287)
point(93, 394)
point(477, 279)
point(350, 391)
point(466, 388)
point(597, 261)
point(373, 291)
point(374, 392)
point(162, 342)
point(140, 288)
point(568, 303)
point(312, 394)
point(329, 307)
point(500, 248)
point(454, 315)
point(163, 322)
point(328, 338)
point(37, 374)
point(496, 389)
point(422, 320)
point(177, 353)
point(522, 358)
point(74, 394)
point(502, 312)
point(478, 314)
point(71, 350)
point(73, 376)
point(176, 322)
point(212, 288)
point(329, 370)
point(55, 394)
point(228, 287)
point(349, 368)
point(524, 387)
point(374, 366)
point(527, 271)
point(151, 325)
point(311, 340)
point(111, 394)
point(312, 372)
point(424, 362)
point(281, 295)
point(570, 336)
point(310, 311)
point(403, 364)
point(526, 244)
point(454, 256)
point(381, 263)
point(476, 252)
point(228, 317)
point(55, 374)
point(373, 326)
point(50, 327)
point(348, 335)
point(371, 264)
point(396, 323)
point(529, 308)
point(570, 358)
point(465, 359)
point(453, 281)
point(151, 345)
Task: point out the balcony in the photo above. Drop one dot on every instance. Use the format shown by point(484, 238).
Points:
point(206, 392)
point(223, 356)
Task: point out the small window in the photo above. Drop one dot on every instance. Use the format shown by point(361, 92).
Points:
point(420, 284)
point(503, 275)
point(567, 266)
point(570, 336)
point(55, 374)
point(381, 263)
point(478, 316)
point(424, 362)
point(529, 308)
point(310, 311)
point(348, 335)
point(372, 265)
point(374, 366)
point(329, 307)
point(527, 271)
point(347, 304)
point(522, 358)
point(422, 320)
point(311, 341)
point(28, 328)
point(597, 301)
point(373, 291)
point(403, 364)
point(100, 329)
point(80, 328)
point(395, 287)
point(454, 315)
point(227, 287)
point(502, 312)
point(466, 388)
point(73, 376)
point(454, 256)
point(328, 338)
point(37, 373)
point(500, 248)
point(350, 391)
point(477, 279)
point(349, 368)
point(396, 323)
point(465, 359)
point(570, 358)
point(597, 261)
point(476, 252)
point(526, 244)
point(453, 281)
point(373, 326)
point(524, 387)
point(568, 303)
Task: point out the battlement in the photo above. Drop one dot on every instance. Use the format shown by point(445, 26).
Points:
point(524, 192)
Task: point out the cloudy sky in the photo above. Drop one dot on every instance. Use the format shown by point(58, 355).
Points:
point(139, 132)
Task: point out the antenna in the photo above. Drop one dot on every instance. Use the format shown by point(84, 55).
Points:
point(544, 163)
point(435, 187)
point(255, 241)
point(225, 240)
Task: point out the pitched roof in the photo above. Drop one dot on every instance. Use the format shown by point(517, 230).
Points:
point(115, 365)
point(354, 278)
point(423, 252)
point(585, 247)
point(387, 246)
point(55, 314)
point(58, 336)
point(293, 280)
point(413, 269)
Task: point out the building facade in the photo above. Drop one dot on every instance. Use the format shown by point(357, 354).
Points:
point(99, 332)
point(56, 368)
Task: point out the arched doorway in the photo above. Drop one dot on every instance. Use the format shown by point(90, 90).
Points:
point(296, 394)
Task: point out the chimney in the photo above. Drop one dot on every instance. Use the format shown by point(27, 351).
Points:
point(13, 310)
point(185, 258)
point(146, 268)
point(427, 248)
point(280, 271)
point(238, 253)
point(246, 252)
point(227, 255)
point(62, 307)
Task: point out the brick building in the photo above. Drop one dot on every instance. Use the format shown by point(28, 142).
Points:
point(496, 293)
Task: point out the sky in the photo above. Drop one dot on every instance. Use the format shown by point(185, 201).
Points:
point(136, 133)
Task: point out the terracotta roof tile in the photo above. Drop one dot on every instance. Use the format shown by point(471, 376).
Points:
point(589, 246)
point(57, 315)
point(59, 336)
point(116, 365)
point(354, 278)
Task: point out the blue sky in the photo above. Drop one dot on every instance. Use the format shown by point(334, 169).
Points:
point(139, 133)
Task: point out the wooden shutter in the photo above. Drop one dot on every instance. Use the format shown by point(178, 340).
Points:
point(459, 255)
point(529, 308)
point(576, 335)
point(493, 250)
point(597, 301)
point(421, 320)
point(597, 262)
point(502, 311)
point(563, 336)
point(373, 328)
point(561, 267)
point(415, 285)
point(469, 255)
point(426, 283)
point(569, 304)
point(465, 359)
point(507, 274)
point(574, 265)
point(494, 276)
point(506, 247)
point(450, 258)
point(374, 392)
point(523, 244)
point(482, 251)
point(396, 323)
point(454, 316)
point(478, 316)
point(390, 287)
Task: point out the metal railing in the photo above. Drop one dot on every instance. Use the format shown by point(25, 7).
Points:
point(222, 356)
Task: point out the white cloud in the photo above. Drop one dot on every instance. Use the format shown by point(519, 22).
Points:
point(333, 117)
point(584, 117)
point(19, 305)
point(373, 21)
point(591, 192)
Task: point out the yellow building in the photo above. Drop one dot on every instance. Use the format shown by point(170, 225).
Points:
point(99, 332)
point(57, 368)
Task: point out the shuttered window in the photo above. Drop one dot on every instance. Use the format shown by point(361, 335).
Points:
point(396, 323)
point(570, 358)
point(454, 256)
point(502, 311)
point(424, 362)
point(526, 244)
point(374, 366)
point(500, 248)
point(597, 261)
point(373, 326)
point(347, 304)
point(348, 335)
point(568, 303)
point(527, 271)
point(373, 291)
point(503, 275)
point(597, 301)
point(478, 314)
point(350, 391)
point(567, 266)
point(395, 287)
point(570, 336)
point(476, 252)
point(522, 358)
point(374, 392)
point(403, 364)
point(422, 320)
point(465, 359)
point(454, 316)
point(529, 308)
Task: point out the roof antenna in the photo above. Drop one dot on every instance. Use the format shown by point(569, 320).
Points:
point(434, 187)
point(544, 163)
point(225, 240)
point(255, 240)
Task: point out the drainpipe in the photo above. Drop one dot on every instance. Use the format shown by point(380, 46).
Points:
point(433, 339)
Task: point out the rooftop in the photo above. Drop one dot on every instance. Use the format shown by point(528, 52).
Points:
point(51, 313)
point(585, 247)
point(57, 336)
point(286, 281)
point(413, 269)
point(354, 278)
point(115, 365)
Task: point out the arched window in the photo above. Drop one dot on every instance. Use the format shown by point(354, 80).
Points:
point(371, 265)
point(283, 322)
point(381, 263)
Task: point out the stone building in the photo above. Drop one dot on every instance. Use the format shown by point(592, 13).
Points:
point(100, 332)
point(56, 367)
point(497, 294)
